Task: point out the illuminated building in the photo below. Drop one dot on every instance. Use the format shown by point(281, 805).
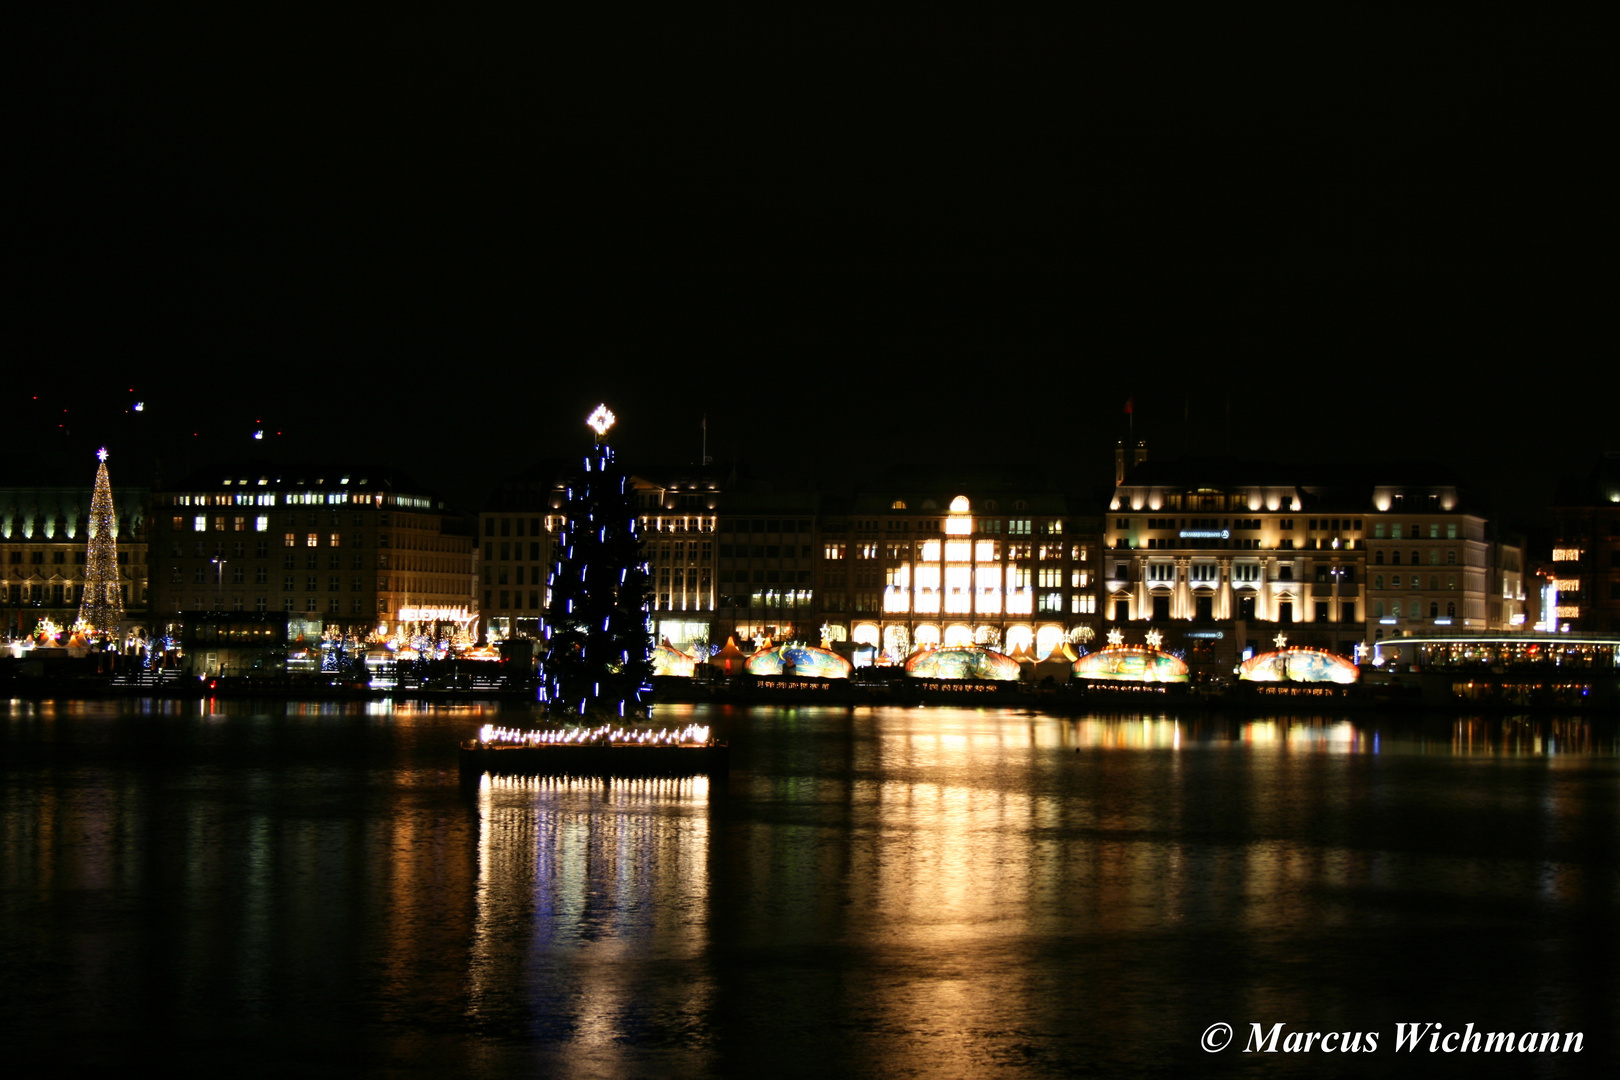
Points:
point(43, 544)
point(1227, 552)
point(981, 558)
point(1429, 561)
point(679, 515)
point(356, 548)
point(1586, 551)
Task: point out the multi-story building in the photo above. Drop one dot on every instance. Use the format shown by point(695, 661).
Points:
point(975, 559)
point(679, 516)
point(358, 548)
point(43, 547)
point(1228, 556)
point(1429, 559)
point(1586, 550)
point(515, 531)
point(767, 548)
point(1507, 603)
point(1224, 556)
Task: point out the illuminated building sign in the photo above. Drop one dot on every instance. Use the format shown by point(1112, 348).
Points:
point(1205, 534)
point(434, 614)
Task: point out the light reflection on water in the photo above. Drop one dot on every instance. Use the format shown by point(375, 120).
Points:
point(579, 882)
point(872, 891)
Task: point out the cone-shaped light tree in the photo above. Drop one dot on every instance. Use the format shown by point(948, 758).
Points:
point(598, 647)
point(101, 603)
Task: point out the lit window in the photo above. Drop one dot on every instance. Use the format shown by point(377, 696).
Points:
point(199, 524)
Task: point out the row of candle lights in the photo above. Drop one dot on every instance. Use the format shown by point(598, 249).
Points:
point(692, 735)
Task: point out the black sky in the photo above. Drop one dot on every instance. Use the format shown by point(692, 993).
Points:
point(441, 242)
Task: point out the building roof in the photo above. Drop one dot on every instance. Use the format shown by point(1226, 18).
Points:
point(325, 475)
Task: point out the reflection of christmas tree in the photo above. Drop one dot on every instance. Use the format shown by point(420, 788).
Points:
point(101, 604)
point(598, 647)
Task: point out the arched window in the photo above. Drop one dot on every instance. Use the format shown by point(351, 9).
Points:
point(1434, 610)
point(1378, 582)
point(1378, 609)
point(1415, 560)
point(1451, 558)
point(1395, 557)
point(898, 504)
point(1451, 609)
point(1395, 609)
point(1378, 557)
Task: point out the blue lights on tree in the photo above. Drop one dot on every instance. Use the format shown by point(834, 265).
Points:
point(598, 644)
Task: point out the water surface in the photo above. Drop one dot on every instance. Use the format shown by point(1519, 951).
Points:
point(268, 887)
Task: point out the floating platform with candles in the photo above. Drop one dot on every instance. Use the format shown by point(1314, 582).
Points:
point(607, 750)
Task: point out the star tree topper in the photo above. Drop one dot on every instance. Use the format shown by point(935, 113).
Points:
point(102, 453)
point(1282, 640)
point(600, 421)
point(1153, 639)
point(1116, 636)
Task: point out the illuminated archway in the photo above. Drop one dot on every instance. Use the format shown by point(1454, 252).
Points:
point(866, 634)
point(1020, 637)
point(958, 634)
point(925, 635)
point(1046, 639)
point(896, 642)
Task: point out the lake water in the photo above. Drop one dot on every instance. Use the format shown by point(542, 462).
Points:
point(294, 888)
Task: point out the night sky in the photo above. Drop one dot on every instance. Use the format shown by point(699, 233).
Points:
point(439, 246)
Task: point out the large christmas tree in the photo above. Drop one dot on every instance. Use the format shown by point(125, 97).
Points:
point(598, 646)
point(101, 603)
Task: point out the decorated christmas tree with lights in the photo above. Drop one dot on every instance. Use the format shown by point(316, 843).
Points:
point(598, 646)
point(101, 604)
